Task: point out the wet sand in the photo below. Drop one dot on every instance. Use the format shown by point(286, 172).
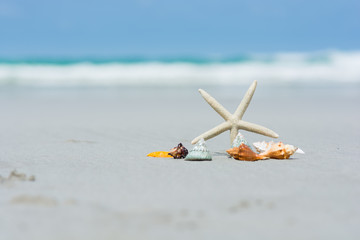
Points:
point(86, 149)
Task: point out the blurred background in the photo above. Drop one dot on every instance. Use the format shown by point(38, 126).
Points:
point(88, 88)
point(158, 42)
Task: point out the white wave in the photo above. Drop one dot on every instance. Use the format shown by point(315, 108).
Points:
point(286, 67)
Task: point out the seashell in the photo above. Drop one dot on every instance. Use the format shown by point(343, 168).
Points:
point(160, 154)
point(239, 139)
point(178, 152)
point(265, 146)
point(243, 152)
point(279, 150)
point(199, 152)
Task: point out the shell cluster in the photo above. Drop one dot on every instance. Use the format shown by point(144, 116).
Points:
point(178, 152)
point(199, 153)
point(240, 150)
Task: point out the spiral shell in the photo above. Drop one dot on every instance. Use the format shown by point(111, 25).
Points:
point(178, 152)
point(239, 139)
point(199, 152)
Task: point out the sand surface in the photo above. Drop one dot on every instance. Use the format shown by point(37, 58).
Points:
point(86, 150)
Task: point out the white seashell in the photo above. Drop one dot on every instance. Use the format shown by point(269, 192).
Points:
point(199, 152)
point(265, 146)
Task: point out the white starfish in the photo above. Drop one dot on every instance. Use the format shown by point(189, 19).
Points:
point(233, 122)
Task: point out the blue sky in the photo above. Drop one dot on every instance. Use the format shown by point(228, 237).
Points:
point(164, 27)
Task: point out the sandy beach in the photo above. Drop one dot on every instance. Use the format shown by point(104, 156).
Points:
point(86, 175)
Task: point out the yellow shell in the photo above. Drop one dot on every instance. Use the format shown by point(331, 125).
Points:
point(160, 154)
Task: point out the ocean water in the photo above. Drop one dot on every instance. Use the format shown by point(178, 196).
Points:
point(281, 68)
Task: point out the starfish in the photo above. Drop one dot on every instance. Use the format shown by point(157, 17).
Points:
point(233, 122)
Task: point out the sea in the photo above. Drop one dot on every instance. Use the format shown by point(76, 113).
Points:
point(330, 67)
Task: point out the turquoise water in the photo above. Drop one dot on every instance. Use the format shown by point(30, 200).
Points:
point(279, 68)
point(264, 58)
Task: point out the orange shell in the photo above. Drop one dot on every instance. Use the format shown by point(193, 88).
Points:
point(244, 153)
point(279, 151)
point(160, 154)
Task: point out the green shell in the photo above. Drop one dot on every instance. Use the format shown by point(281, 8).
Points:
point(239, 140)
point(199, 152)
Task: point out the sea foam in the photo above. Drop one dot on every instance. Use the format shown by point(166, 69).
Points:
point(338, 67)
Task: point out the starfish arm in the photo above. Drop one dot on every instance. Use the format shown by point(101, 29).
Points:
point(252, 127)
point(213, 132)
point(233, 132)
point(215, 105)
point(239, 113)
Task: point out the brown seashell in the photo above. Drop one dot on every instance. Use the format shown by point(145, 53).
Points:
point(279, 151)
point(243, 152)
point(178, 152)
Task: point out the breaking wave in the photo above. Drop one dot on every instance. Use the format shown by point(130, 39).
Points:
point(338, 67)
